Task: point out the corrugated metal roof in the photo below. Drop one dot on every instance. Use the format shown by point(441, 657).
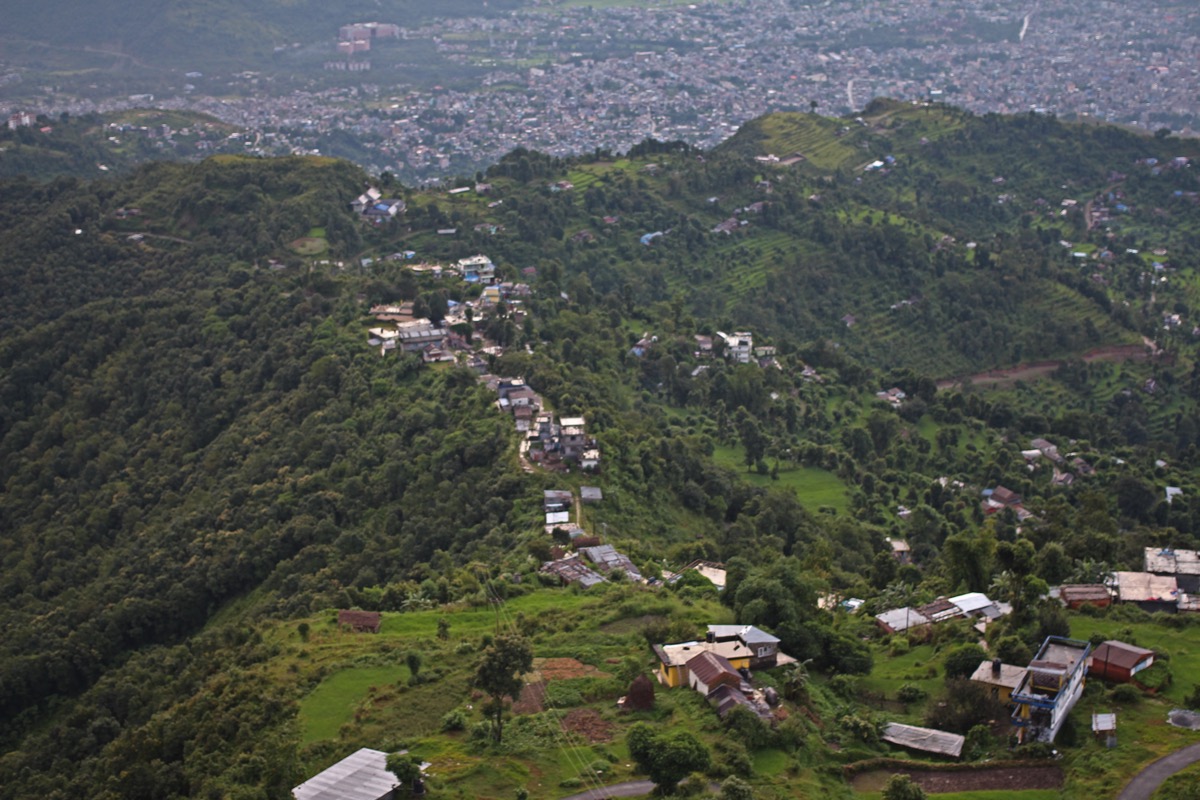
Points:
point(362, 775)
point(901, 619)
point(926, 740)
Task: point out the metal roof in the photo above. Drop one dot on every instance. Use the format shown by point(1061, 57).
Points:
point(901, 619)
point(925, 739)
point(747, 633)
point(1172, 562)
point(1143, 586)
point(362, 775)
point(971, 602)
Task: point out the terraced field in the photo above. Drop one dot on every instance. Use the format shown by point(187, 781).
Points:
point(813, 136)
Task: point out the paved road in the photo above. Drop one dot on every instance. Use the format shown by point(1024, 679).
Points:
point(1149, 779)
point(630, 789)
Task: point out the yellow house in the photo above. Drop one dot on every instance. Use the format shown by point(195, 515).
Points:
point(1001, 680)
point(673, 658)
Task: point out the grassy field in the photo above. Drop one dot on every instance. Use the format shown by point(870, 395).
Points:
point(309, 246)
point(1183, 785)
point(333, 702)
point(814, 486)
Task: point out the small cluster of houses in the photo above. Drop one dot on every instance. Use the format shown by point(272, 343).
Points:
point(894, 397)
point(372, 206)
point(589, 564)
point(719, 668)
point(433, 343)
point(1039, 695)
point(1044, 692)
point(738, 347)
point(1001, 498)
point(589, 561)
point(917, 620)
point(1169, 581)
point(551, 442)
point(1041, 448)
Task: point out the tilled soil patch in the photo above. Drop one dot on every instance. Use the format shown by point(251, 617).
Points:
point(589, 724)
point(963, 780)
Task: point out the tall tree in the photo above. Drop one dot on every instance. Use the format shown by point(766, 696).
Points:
point(667, 758)
point(499, 674)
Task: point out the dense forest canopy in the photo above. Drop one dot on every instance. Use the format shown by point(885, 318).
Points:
point(198, 447)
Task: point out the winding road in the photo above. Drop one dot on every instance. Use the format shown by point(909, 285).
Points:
point(1148, 780)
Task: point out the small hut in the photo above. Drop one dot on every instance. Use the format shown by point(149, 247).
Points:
point(360, 621)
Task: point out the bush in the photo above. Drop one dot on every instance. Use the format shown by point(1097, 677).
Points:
point(844, 686)
point(732, 759)
point(1011, 650)
point(1125, 693)
point(963, 660)
point(455, 720)
point(860, 728)
point(979, 742)
point(909, 693)
point(693, 785)
point(901, 787)
point(1155, 678)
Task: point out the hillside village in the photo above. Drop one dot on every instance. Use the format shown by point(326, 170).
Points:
point(874, 550)
point(1038, 694)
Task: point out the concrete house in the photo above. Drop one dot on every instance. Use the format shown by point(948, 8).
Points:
point(1050, 689)
point(738, 346)
point(673, 659)
point(1000, 679)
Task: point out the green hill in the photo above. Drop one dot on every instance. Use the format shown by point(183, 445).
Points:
point(202, 458)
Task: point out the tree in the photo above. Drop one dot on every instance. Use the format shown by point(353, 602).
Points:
point(734, 788)
point(962, 706)
point(963, 660)
point(901, 787)
point(667, 758)
point(413, 660)
point(407, 770)
point(499, 674)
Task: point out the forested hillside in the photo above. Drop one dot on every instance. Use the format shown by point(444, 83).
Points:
point(201, 456)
